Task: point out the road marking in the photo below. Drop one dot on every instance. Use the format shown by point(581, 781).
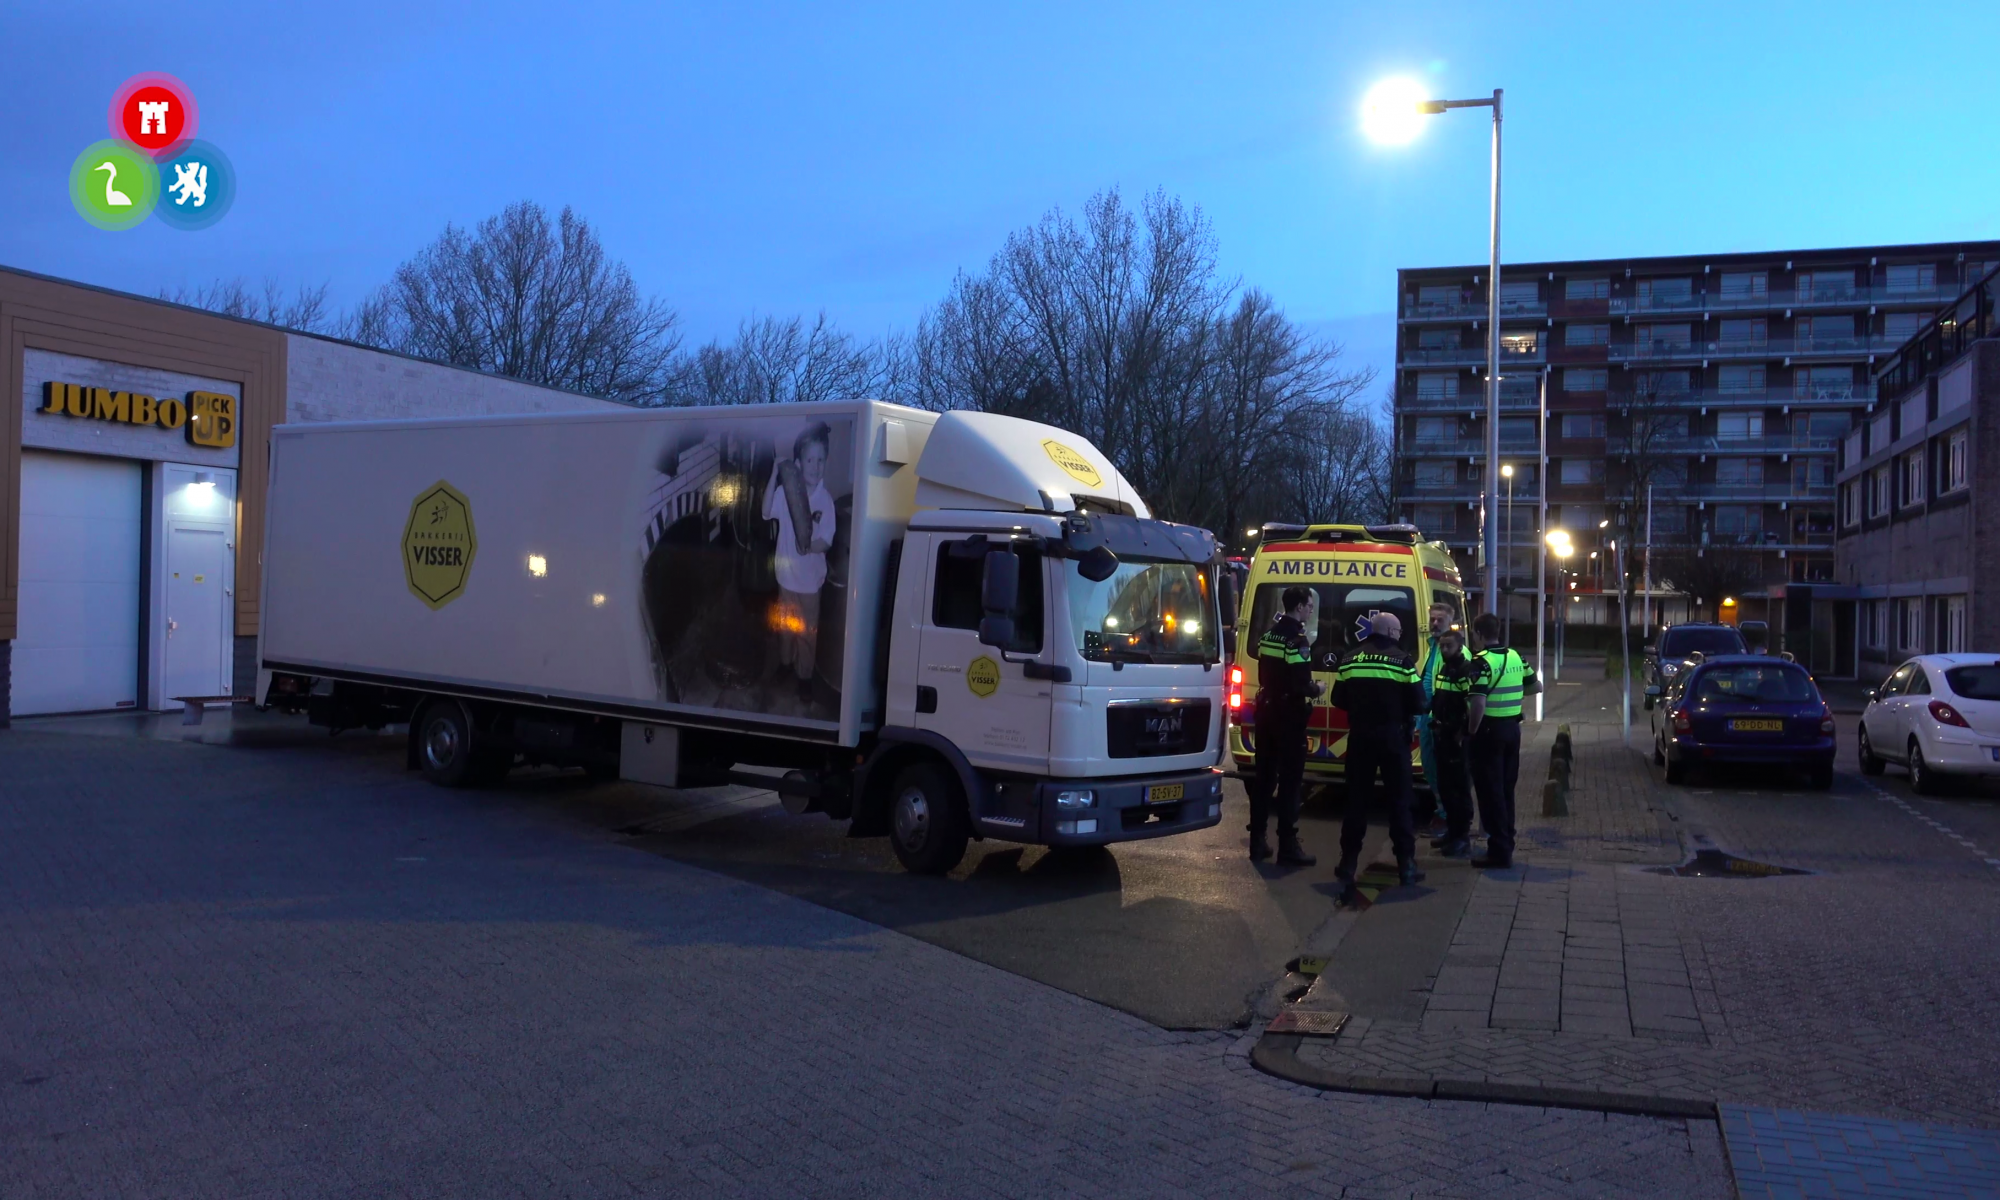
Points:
point(1933, 822)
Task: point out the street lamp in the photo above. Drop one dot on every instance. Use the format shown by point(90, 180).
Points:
point(1392, 113)
point(1558, 543)
point(1507, 590)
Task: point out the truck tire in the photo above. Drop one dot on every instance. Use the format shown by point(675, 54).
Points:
point(445, 750)
point(928, 825)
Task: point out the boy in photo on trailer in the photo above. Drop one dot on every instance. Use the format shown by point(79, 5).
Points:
point(798, 500)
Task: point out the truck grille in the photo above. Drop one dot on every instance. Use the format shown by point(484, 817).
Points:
point(1153, 730)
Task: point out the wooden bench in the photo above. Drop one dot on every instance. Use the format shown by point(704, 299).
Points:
point(192, 707)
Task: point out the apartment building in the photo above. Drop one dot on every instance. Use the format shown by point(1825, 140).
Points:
point(1721, 384)
point(1917, 562)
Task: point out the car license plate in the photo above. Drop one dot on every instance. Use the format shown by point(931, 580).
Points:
point(1756, 725)
point(1994, 749)
point(1161, 793)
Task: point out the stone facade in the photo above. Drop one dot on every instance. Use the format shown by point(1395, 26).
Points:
point(326, 380)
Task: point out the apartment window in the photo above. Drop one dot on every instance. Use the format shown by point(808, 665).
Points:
point(1665, 292)
point(1437, 339)
point(1740, 331)
point(1576, 516)
point(1913, 277)
point(1587, 335)
point(1659, 383)
point(1812, 473)
point(1880, 494)
point(1740, 379)
point(1901, 327)
point(1822, 383)
point(1524, 475)
point(1577, 471)
point(1436, 474)
point(1909, 623)
point(1585, 379)
point(1739, 522)
point(1955, 449)
point(1586, 289)
point(1745, 285)
point(1437, 385)
point(1973, 272)
point(1826, 285)
point(1437, 429)
point(1662, 337)
point(1524, 342)
point(1669, 518)
point(1739, 427)
point(1440, 295)
point(1669, 474)
point(1954, 625)
point(1516, 430)
point(1913, 477)
point(1850, 504)
point(1583, 425)
point(1433, 518)
point(1871, 624)
point(1526, 294)
point(1651, 427)
point(1739, 472)
point(1823, 426)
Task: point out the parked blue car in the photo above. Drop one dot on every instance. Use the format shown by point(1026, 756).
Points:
point(1744, 709)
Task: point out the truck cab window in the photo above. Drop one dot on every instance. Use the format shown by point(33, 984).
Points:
point(955, 596)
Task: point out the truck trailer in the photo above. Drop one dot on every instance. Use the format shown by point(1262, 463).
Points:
point(937, 627)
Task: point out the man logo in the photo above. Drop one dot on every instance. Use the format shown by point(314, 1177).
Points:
point(439, 545)
point(1076, 464)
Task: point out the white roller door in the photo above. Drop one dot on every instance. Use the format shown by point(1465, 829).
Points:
point(77, 647)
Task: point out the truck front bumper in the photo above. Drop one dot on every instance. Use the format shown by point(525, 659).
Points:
point(1128, 809)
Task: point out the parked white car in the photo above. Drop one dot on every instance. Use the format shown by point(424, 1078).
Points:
point(1939, 716)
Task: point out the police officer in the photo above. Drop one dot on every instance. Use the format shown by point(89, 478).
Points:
point(1376, 684)
point(1494, 718)
point(1440, 620)
point(1285, 693)
point(1450, 772)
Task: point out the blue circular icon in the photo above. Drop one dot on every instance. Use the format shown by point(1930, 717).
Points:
point(197, 186)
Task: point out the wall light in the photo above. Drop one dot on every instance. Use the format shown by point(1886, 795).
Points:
point(597, 600)
point(538, 566)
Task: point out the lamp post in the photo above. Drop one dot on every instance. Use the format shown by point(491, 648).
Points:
point(1507, 586)
point(1557, 542)
point(1392, 113)
point(1541, 525)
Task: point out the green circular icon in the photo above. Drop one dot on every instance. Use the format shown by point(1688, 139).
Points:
point(114, 184)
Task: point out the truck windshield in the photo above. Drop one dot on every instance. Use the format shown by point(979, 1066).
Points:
point(1146, 612)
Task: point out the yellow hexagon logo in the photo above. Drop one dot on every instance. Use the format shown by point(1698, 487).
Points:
point(982, 675)
point(439, 545)
point(1076, 464)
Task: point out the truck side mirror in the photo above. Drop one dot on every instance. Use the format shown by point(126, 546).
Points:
point(999, 592)
point(1226, 585)
point(1097, 564)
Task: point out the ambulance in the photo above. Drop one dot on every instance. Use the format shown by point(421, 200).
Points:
point(1356, 569)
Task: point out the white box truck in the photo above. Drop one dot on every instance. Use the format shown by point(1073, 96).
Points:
point(936, 627)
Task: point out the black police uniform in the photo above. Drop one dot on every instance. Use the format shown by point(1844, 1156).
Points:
point(1377, 685)
point(1285, 692)
point(1450, 768)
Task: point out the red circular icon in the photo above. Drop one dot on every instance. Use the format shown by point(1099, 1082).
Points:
point(154, 112)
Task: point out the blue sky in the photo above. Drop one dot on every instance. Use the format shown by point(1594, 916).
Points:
point(786, 158)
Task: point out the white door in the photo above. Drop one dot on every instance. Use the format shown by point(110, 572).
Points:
point(983, 703)
point(197, 611)
point(77, 647)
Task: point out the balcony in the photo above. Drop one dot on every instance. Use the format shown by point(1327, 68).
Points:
point(1449, 490)
point(1776, 491)
point(1470, 447)
point(1708, 443)
point(1807, 299)
point(1849, 346)
point(1468, 402)
point(1471, 308)
point(1463, 356)
point(1833, 397)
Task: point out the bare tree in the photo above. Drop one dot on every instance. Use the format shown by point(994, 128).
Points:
point(531, 299)
point(305, 309)
point(1706, 574)
point(773, 361)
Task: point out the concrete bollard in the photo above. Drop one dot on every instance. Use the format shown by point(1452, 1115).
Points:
point(1562, 761)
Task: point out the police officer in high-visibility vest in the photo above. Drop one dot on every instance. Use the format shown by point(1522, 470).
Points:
point(1442, 615)
point(1494, 718)
point(1285, 694)
point(1376, 685)
point(1450, 770)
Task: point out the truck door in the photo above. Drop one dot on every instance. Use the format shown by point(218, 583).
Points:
point(984, 704)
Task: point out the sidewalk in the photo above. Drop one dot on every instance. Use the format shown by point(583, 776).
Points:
point(1587, 975)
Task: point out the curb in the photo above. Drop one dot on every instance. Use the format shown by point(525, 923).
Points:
point(1276, 1054)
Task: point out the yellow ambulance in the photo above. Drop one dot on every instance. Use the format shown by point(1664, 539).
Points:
point(1356, 569)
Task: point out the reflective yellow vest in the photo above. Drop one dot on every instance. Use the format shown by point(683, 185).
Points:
point(1508, 673)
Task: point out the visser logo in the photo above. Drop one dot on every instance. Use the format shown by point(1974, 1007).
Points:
point(1076, 464)
point(439, 545)
point(982, 675)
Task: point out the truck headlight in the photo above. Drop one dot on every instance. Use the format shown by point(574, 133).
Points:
point(1077, 799)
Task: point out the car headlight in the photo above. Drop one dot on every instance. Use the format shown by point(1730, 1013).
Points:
point(1078, 799)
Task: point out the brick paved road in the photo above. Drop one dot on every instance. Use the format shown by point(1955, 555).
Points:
point(247, 973)
point(1867, 987)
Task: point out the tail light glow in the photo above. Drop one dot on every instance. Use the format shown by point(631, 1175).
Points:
point(1235, 690)
point(1681, 722)
point(1825, 718)
point(1947, 715)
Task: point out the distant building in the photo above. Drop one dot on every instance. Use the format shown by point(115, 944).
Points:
point(1917, 562)
point(1722, 382)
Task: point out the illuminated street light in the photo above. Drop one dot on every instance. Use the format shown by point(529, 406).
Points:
point(1392, 114)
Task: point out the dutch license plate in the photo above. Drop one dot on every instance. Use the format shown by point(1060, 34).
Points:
point(1160, 793)
point(1994, 749)
point(1756, 725)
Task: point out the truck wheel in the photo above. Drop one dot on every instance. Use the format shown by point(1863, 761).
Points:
point(445, 751)
point(928, 826)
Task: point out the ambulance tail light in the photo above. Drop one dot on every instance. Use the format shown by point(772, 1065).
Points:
point(1235, 691)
